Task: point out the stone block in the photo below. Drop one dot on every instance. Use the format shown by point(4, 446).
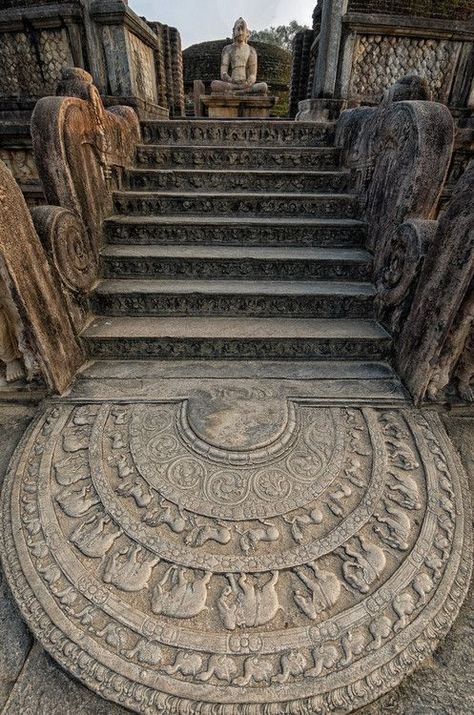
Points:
point(225, 106)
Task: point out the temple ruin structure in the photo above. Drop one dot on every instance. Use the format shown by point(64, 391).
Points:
point(236, 398)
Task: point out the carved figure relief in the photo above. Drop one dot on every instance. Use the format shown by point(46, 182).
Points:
point(364, 563)
point(93, 537)
point(129, 568)
point(177, 597)
point(346, 579)
point(324, 587)
point(246, 603)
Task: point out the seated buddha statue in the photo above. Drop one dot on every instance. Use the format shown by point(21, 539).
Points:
point(242, 62)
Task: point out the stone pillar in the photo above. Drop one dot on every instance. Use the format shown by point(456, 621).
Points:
point(324, 105)
point(168, 67)
point(178, 107)
point(160, 63)
point(329, 45)
point(300, 76)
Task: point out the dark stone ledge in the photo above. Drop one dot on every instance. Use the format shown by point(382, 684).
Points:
point(410, 25)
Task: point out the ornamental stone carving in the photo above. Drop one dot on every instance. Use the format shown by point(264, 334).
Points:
point(400, 153)
point(34, 320)
point(379, 61)
point(81, 149)
point(172, 561)
point(436, 341)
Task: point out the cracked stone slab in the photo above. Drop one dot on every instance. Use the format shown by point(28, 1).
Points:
point(240, 551)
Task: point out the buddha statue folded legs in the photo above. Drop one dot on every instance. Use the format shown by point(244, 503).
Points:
point(220, 87)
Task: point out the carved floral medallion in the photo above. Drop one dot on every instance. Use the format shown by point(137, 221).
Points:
point(248, 554)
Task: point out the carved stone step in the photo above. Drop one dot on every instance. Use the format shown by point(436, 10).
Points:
point(238, 180)
point(199, 230)
point(234, 298)
point(268, 133)
point(229, 262)
point(241, 157)
point(231, 338)
point(143, 203)
point(338, 381)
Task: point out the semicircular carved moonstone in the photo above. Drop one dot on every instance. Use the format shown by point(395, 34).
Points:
point(169, 579)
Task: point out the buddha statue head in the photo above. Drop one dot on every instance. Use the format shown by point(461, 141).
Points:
point(241, 32)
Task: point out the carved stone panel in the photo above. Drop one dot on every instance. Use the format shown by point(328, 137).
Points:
point(379, 61)
point(143, 68)
point(32, 62)
point(236, 552)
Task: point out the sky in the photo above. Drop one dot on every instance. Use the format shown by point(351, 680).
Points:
point(202, 20)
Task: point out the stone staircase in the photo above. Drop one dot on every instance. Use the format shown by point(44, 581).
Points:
point(236, 240)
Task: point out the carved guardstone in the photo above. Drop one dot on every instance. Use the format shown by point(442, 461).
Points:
point(178, 557)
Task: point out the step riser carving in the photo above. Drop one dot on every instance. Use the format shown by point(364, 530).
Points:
point(254, 206)
point(156, 157)
point(216, 305)
point(244, 269)
point(247, 349)
point(206, 181)
point(252, 133)
point(199, 235)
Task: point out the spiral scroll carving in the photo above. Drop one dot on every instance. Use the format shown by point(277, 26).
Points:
point(66, 239)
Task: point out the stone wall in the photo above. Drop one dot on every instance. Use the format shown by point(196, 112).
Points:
point(132, 64)
point(379, 61)
point(383, 41)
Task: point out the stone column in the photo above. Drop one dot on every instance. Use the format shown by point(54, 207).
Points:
point(329, 45)
point(301, 68)
point(324, 105)
point(160, 63)
point(178, 108)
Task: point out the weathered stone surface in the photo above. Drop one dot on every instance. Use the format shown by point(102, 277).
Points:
point(357, 50)
point(444, 683)
point(244, 106)
point(41, 323)
point(239, 65)
point(45, 689)
point(66, 242)
point(296, 205)
point(237, 93)
point(205, 231)
point(401, 152)
point(234, 298)
point(215, 262)
point(436, 343)
point(247, 134)
point(78, 144)
point(252, 157)
point(15, 640)
point(235, 180)
point(236, 338)
point(352, 521)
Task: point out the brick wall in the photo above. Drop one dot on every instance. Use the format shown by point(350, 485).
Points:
point(441, 9)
